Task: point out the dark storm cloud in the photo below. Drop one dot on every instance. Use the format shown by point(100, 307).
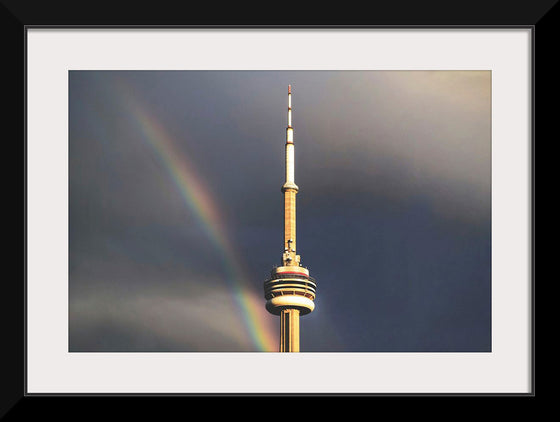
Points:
point(156, 318)
point(393, 210)
point(401, 134)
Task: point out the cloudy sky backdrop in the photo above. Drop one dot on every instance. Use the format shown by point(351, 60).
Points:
point(176, 213)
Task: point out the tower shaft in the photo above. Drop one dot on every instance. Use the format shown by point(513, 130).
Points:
point(289, 330)
point(289, 227)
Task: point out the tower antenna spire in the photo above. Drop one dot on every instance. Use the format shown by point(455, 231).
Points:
point(290, 291)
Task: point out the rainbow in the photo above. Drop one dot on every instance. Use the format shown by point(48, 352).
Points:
point(199, 200)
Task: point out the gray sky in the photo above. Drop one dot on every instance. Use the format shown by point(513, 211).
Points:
point(176, 213)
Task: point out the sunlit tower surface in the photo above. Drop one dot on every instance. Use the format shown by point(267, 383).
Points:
point(290, 291)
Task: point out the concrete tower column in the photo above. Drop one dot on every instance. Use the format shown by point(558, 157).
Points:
point(290, 226)
point(289, 330)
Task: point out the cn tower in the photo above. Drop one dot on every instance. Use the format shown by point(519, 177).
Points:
point(290, 291)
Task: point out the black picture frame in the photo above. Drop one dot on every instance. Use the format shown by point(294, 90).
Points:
point(18, 16)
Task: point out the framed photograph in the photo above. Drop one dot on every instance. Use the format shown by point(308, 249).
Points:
point(162, 167)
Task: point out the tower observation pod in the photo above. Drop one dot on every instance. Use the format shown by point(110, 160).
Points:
point(290, 291)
